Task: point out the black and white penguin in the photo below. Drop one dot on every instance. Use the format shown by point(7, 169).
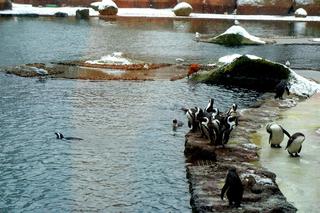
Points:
point(176, 124)
point(233, 188)
point(276, 134)
point(294, 144)
point(209, 108)
point(193, 116)
point(233, 111)
point(229, 125)
point(60, 136)
point(281, 87)
point(207, 129)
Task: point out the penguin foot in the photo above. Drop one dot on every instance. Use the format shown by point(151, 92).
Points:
point(297, 155)
point(275, 146)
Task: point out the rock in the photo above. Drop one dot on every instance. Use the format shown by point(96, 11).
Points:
point(246, 72)
point(182, 9)
point(235, 36)
point(312, 6)
point(258, 7)
point(300, 13)
point(220, 6)
point(5, 5)
point(82, 14)
point(108, 8)
point(61, 14)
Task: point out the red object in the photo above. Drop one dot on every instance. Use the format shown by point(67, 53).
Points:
point(194, 68)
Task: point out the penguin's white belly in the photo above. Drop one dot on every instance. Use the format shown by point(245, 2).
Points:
point(277, 135)
point(294, 147)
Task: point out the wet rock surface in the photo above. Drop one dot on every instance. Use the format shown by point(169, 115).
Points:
point(207, 174)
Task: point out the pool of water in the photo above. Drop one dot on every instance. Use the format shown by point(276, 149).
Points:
point(129, 160)
point(45, 39)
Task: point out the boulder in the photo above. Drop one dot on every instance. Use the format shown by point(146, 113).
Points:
point(236, 36)
point(5, 5)
point(182, 9)
point(220, 6)
point(300, 13)
point(312, 6)
point(82, 14)
point(248, 72)
point(269, 7)
point(108, 8)
point(61, 14)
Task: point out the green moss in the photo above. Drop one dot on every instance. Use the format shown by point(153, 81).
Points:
point(244, 72)
point(232, 40)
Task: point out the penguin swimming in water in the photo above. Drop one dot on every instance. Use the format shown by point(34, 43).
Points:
point(276, 134)
point(60, 136)
point(294, 144)
point(281, 87)
point(176, 124)
point(233, 188)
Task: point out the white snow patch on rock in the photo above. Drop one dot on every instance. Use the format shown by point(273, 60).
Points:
point(259, 179)
point(301, 12)
point(105, 3)
point(230, 58)
point(114, 58)
point(236, 29)
point(316, 39)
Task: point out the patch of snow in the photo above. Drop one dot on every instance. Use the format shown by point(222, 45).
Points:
point(304, 2)
point(115, 58)
point(106, 3)
point(249, 146)
point(235, 29)
point(301, 12)
point(230, 58)
point(250, 2)
point(259, 179)
point(182, 5)
point(316, 39)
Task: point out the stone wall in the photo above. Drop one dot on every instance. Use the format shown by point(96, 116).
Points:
point(248, 7)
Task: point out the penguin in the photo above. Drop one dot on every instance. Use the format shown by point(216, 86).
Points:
point(207, 129)
point(233, 188)
point(193, 116)
point(197, 36)
point(176, 124)
point(60, 136)
point(233, 111)
point(281, 87)
point(230, 123)
point(209, 107)
point(276, 136)
point(294, 144)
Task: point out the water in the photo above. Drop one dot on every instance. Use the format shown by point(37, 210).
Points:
point(29, 40)
point(298, 178)
point(129, 160)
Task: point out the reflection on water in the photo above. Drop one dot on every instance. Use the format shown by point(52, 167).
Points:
point(298, 178)
point(29, 40)
point(129, 160)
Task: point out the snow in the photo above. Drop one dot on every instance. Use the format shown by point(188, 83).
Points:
point(298, 84)
point(316, 39)
point(105, 3)
point(230, 58)
point(114, 58)
point(250, 2)
point(259, 179)
point(300, 12)
point(236, 29)
point(18, 9)
point(182, 5)
point(149, 12)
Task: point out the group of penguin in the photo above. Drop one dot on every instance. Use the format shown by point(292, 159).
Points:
point(277, 132)
point(214, 125)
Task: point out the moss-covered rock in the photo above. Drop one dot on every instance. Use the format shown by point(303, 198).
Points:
point(182, 9)
point(257, 74)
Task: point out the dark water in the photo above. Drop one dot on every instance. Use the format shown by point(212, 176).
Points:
point(28, 40)
point(130, 159)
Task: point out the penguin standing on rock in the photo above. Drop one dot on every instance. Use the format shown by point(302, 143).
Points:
point(233, 188)
point(276, 134)
point(193, 115)
point(294, 144)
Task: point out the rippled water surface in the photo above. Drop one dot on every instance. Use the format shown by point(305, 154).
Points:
point(129, 160)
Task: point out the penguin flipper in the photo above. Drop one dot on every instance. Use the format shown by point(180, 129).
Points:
point(300, 149)
point(289, 143)
point(270, 138)
point(285, 132)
